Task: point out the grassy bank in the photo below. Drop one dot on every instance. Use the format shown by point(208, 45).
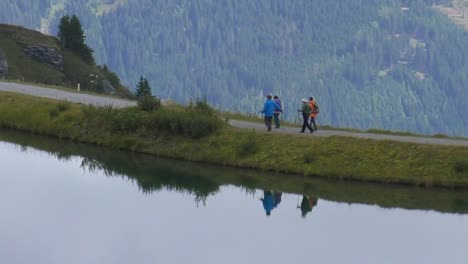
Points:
point(192, 134)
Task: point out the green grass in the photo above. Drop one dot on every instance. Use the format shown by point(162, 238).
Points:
point(187, 135)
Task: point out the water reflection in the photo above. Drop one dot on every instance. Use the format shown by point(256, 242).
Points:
point(307, 204)
point(270, 200)
point(152, 174)
point(140, 209)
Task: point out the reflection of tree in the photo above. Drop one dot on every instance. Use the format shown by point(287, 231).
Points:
point(92, 165)
point(151, 175)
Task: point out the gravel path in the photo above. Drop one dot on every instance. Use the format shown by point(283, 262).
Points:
point(120, 103)
point(328, 133)
point(74, 97)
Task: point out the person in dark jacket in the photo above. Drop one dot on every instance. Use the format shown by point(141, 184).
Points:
point(277, 196)
point(307, 204)
point(305, 110)
point(313, 113)
point(277, 111)
point(268, 111)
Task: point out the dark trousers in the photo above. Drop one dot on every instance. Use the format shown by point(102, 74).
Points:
point(268, 122)
point(312, 121)
point(306, 123)
point(277, 123)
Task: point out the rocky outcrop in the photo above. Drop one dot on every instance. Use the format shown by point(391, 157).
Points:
point(100, 84)
point(47, 55)
point(3, 66)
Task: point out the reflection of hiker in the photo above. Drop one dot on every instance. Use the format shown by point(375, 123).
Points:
point(277, 111)
point(277, 196)
point(307, 204)
point(314, 112)
point(268, 202)
point(268, 109)
point(305, 115)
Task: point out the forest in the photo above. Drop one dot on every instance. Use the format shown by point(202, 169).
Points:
point(386, 64)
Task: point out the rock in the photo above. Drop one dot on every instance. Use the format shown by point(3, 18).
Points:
point(100, 84)
point(44, 54)
point(168, 102)
point(3, 66)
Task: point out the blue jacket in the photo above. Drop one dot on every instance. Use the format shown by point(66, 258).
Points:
point(269, 107)
point(268, 203)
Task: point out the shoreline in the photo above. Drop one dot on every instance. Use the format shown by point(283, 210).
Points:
point(340, 158)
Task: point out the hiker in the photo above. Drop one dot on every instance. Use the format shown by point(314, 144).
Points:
point(277, 198)
point(268, 110)
point(305, 110)
point(314, 112)
point(277, 111)
point(268, 202)
point(307, 204)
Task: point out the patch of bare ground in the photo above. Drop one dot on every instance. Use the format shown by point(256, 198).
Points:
point(458, 13)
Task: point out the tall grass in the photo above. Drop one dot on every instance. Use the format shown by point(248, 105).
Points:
point(191, 122)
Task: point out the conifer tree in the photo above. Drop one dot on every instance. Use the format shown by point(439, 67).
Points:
point(72, 37)
point(143, 88)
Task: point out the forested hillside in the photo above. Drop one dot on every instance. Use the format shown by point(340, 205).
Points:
point(388, 64)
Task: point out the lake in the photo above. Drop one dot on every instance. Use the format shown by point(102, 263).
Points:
point(62, 202)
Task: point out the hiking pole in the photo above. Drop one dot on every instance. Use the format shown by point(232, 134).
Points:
point(280, 117)
point(299, 117)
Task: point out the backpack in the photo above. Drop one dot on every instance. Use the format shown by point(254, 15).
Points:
point(316, 108)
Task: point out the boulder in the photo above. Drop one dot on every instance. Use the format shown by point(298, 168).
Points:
point(3, 65)
point(44, 54)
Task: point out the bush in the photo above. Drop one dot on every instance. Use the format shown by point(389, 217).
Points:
point(309, 157)
point(54, 112)
point(248, 145)
point(201, 105)
point(63, 106)
point(461, 166)
point(192, 124)
point(149, 103)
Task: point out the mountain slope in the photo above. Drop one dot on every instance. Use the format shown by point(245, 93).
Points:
point(30, 56)
point(388, 64)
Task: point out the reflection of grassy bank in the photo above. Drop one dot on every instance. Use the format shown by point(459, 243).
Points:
point(167, 136)
point(152, 174)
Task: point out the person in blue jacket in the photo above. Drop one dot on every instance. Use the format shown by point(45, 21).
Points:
point(268, 202)
point(268, 111)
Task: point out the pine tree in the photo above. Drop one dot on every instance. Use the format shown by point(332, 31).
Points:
point(72, 37)
point(63, 33)
point(143, 88)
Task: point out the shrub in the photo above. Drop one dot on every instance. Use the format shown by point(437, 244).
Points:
point(192, 124)
point(201, 105)
point(63, 106)
point(309, 157)
point(54, 112)
point(461, 166)
point(247, 145)
point(149, 103)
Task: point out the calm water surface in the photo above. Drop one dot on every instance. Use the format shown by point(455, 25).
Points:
point(60, 205)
